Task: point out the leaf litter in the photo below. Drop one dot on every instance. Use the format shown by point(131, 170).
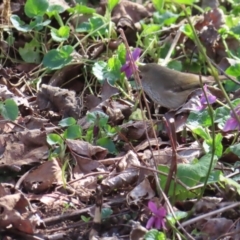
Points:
point(82, 156)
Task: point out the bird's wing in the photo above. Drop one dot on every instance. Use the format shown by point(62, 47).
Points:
point(168, 98)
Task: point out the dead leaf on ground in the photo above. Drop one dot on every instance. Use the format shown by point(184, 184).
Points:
point(138, 231)
point(85, 187)
point(125, 173)
point(14, 214)
point(42, 178)
point(4, 190)
point(69, 77)
point(86, 165)
point(152, 142)
point(86, 149)
point(126, 15)
point(107, 91)
point(59, 100)
point(141, 192)
point(17, 153)
point(207, 204)
point(55, 200)
point(137, 130)
point(215, 227)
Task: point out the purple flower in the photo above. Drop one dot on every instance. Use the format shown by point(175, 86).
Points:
point(203, 101)
point(232, 123)
point(157, 219)
point(128, 68)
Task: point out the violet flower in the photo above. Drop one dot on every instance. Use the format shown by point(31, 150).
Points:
point(127, 67)
point(232, 123)
point(157, 219)
point(203, 100)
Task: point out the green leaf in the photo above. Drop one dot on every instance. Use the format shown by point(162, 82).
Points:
point(231, 182)
point(165, 18)
point(158, 4)
point(53, 139)
point(98, 118)
point(150, 29)
point(38, 24)
point(189, 174)
point(208, 145)
point(154, 234)
point(193, 65)
point(106, 212)
point(187, 30)
point(72, 132)
point(9, 109)
point(99, 68)
point(176, 65)
point(107, 143)
point(54, 9)
point(179, 215)
point(113, 73)
point(97, 23)
point(84, 27)
point(33, 8)
point(30, 52)
point(61, 34)
point(232, 21)
point(200, 131)
point(188, 2)
point(138, 114)
point(214, 177)
point(107, 71)
point(121, 53)
point(233, 69)
point(81, 9)
point(67, 122)
point(222, 114)
point(235, 149)
point(19, 24)
point(112, 4)
point(58, 58)
point(199, 118)
point(85, 219)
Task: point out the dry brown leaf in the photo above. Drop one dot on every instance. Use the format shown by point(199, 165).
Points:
point(137, 130)
point(66, 77)
point(16, 153)
point(215, 227)
point(14, 214)
point(127, 174)
point(55, 200)
point(141, 192)
point(107, 91)
point(85, 187)
point(207, 204)
point(86, 149)
point(85, 165)
point(44, 177)
point(138, 231)
point(59, 100)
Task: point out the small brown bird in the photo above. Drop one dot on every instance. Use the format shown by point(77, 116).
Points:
point(169, 88)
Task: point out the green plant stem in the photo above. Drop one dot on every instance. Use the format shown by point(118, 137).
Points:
point(201, 50)
point(59, 19)
point(211, 114)
point(124, 93)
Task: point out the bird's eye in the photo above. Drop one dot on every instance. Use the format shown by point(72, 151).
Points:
point(140, 76)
